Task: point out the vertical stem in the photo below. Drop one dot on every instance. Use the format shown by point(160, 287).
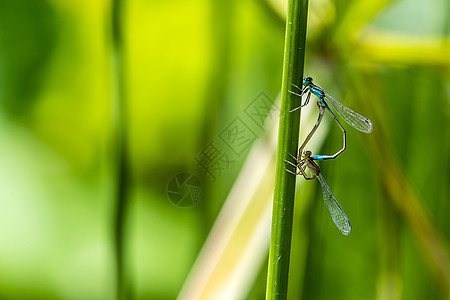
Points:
point(289, 125)
point(389, 278)
point(220, 28)
point(121, 165)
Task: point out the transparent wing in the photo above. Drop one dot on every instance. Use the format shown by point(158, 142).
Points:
point(351, 117)
point(336, 212)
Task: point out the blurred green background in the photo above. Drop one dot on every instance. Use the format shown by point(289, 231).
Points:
point(188, 70)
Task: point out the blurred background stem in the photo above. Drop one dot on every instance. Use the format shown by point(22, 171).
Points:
point(121, 164)
point(289, 125)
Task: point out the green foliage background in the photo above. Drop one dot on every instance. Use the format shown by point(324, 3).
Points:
point(190, 68)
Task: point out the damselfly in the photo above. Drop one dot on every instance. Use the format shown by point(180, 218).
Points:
point(354, 119)
point(336, 212)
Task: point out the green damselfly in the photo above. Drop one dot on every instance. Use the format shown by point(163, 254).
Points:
point(354, 119)
point(336, 212)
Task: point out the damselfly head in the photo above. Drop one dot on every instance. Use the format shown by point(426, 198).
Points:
point(307, 80)
point(306, 154)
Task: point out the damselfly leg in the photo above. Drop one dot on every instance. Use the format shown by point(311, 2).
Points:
point(305, 89)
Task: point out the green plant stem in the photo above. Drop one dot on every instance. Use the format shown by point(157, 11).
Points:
point(120, 160)
point(289, 125)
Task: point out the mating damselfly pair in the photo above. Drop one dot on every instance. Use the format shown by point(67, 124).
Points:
point(305, 161)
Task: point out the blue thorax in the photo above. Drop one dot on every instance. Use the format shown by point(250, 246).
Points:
point(317, 91)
